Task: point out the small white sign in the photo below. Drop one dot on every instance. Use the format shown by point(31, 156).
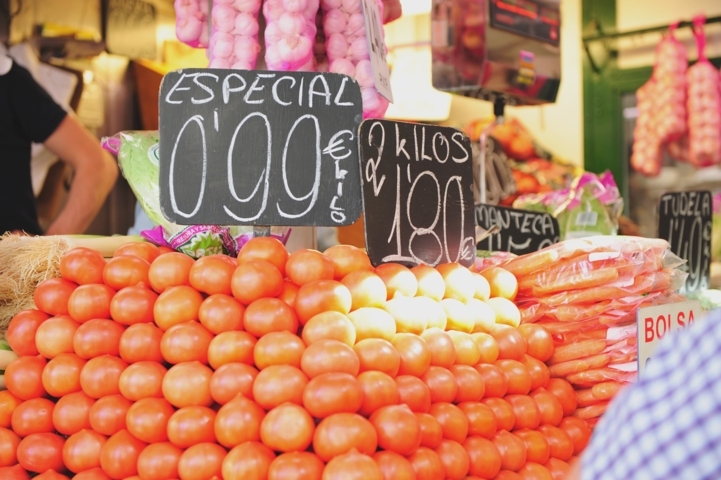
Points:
point(376, 48)
point(654, 323)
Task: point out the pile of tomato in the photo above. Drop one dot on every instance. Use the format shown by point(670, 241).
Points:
point(153, 365)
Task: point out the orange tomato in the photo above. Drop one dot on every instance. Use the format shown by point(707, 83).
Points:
point(9, 442)
point(142, 380)
point(347, 259)
point(454, 458)
point(519, 378)
point(331, 393)
point(379, 390)
point(170, 270)
point(55, 336)
point(269, 249)
point(52, 475)
point(159, 461)
point(397, 278)
point(414, 352)
point(15, 472)
point(511, 344)
point(560, 442)
point(538, 370)
point(51, 296)
point(82, 266)
point(188, 384)
point(537, 448)
point(231, 347)
point(125, 271)
point(211, 275)
point(119, 455)
point(23, 377)
point(579, 431)
point(467, 350)
point(329, 326)
point(267, 315)
point(61, 376)
point(33, 416)
point(441, 383)
point(247, 460)
point(512, 450)
point(97, 337)
point(340, 432)
point(190, 426)
point(231, 379)
point(278, 348)
point(352, 466)
point(186, 342)
point(133, 305)
point(147, 419)
point(470, 384)
point(21, 331)
point(81, 451)
point(289, 292)
point(564, 392)
point(525, 410)
point(202, 461)
point(503, 411)
point(256, 279)
point(8, 404)
point(394, 466)
point(366, 289)
point(287, 428)
point(488, 346)
point(431, 430)
point(557, 468)
point(540, 342)
point(534, 471)
point(146, 251)
point(306, 266)
point(326, 356)
point(398, 429)
point(494, 380)
point(140, 343)
point(453, 421)
point(107, 415)
point(427, 464)
point(378, 354)
point(278, 384)
point(484, 458)
point(176, 305)
point(238, 421)
point(90, 301)
point(481, 419)
point(300, 465)
point(221, 313)
point(549, 406)
point(321, 296)
point(443, 351)
point(41, 452)
point(100, 377)
point(72, 413)
point(414, 393)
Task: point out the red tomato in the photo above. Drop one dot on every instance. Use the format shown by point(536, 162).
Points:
point(322, 296)
point(119, 455)
point(221, 313)
point(51, 475)
point(140, 343)
point(287, 428)
point(441, 383)
point(72, 413)
point(454, 458)
point(379, 390)
point(146, 251)
point(107, 415)
point(347, 259)
point(188, 384)
point(55, 336)
point(565, 394)
point(211, 275)
point(147, 419)
point(33, 416)
point(398, 429)
point(231, 379)
point(176, 305)
point(90, 301)
point(537, 448)
point(560, 442)
point(534, 471)
point(15, 472)
point(100, 377)
point(326, 356)
point(443, 351)
point(470, 384)
point(133, 304)
point(481, 419)
point(494, 380)
point(202, 461)
point(142, 380)
point(40, 452)
point(431, 431)
point(540, 342)
point(279, 384)
point(339, 433)
point(488, 346)
point(97, 337)
point(306, 266)
point(394, 466)
point(519, 378)
point(525, 410)
point(238, 421)
point(557, 468)
point(159, 461)
point(247, 460)
point(125, 271)
point(467, 350)
point(352, 466)
point(549, 406)
point(82, 266)
point(511, 344)
point(379, 355)
point(505, 416)
point(191, 425)
point(8, 404)
point(186, 342)
point(92, 474)
point(512, 450)
point(414, 352)
point(289, 292)
point(332, 393)
point(231, 347)
point(300, 465)
point(51, 296)
point(278, 348)
point(256, 279)
point(453, 421)
point(269, 249)
point(81, 451)
point(578, 430)
point(9, 441)
point(538, 371)
point(484, 458)
point(61, 376)
point(23, 377)
point(267, 315)
point(170, 270)
point(427, 464)
point(414, 393)
point(21, 331)
point(329, 326)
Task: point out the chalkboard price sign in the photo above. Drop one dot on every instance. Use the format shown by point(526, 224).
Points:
point(684, 220)
point(259, 148)
point(520, 231)
point(417, 193)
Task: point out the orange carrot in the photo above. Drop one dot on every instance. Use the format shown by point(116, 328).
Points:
point(592, 279)
point(575, 351)
point(607, 390)
point(564, 369)
point(526, 264)
point(586, 398)
point(591, 377)
point(593, 411)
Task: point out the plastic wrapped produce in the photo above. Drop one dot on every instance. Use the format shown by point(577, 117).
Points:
point(191, 22)
point(234, 37)
point(290, 34)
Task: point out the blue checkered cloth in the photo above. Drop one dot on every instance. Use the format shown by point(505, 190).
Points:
point(668, 425)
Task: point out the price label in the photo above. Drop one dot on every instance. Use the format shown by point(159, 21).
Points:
point(377, 48)
point(259, 148)
point(655, 323)
point(519, 231)
point(684, 220)
point(417, 193)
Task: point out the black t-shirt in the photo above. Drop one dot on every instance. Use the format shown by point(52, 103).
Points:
point(27, 114)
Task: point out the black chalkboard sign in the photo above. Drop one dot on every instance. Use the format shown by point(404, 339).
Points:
point(417, 193)
point(519, 231)
point(684, 220)
point(259, 148)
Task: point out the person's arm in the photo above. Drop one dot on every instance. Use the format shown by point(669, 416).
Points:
point(95, 173)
